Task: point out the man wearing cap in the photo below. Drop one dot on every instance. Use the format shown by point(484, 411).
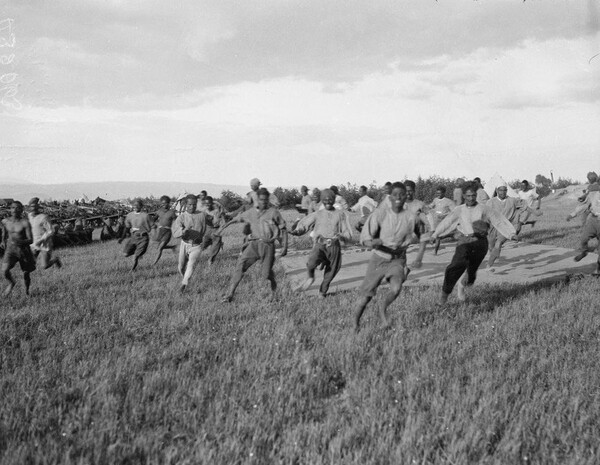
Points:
point(252, 196)
point(591, 229)
point(509, 207)
point(43, 234)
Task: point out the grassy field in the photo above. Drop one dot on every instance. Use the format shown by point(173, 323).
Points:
point(100, 365)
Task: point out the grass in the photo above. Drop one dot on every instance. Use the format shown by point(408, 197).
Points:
point(103, 366)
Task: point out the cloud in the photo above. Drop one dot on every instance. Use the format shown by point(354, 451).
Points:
point(106, 52)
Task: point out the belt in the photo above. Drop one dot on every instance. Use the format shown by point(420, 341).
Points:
point(164, 227)
point(327, 241)
point(399, 252)
point(137, 233)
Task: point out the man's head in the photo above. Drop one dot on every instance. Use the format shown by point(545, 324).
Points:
point(525, 185)
point(387, 188)
point(263, 198)
point(440, 192)
point(362, 190)
point(335, 190)
point(315, 195)
point(165, 201)
point(202, 195)
point(16, 209)
point(410, 187)
point(34, 205)
point(328, 198)
point(592, 177)
point(304, 190)
point(255, 184)
point(502, 191)
point(398, 196)
point(191, 203)
point(138, 205)
point(478, 182)
point(470, 194)
point(209, 202)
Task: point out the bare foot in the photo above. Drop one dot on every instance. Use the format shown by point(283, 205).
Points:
point(306, 284)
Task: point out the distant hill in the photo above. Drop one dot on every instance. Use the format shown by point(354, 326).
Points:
point(111, 190)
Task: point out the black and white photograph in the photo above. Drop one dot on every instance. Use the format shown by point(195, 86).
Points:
point(299, 232)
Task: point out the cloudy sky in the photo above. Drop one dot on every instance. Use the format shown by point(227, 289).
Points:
point(298, 91)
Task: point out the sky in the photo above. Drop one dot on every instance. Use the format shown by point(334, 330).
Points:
point(308, 92)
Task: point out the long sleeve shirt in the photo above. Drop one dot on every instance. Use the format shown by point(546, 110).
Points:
point(42, 232)
point(305, 202)
point(463, 217)
point(138, 222)
point(327, 224)
point(441, 207)
point(194, 222)
point(395, 230)
point(364, 205)
point(509, 207)
point(591, 203)
point(265, 225)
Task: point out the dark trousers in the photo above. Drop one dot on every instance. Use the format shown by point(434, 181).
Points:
point(331, 256)
point(214, 242)
point(469, 254)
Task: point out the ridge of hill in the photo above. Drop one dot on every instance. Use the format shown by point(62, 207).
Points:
point(112, 190)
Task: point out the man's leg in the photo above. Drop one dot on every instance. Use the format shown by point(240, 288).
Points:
point(215, 248)
point(27, 280)
point(454, 271)
point(267, 255)
point(6, 267)
point(390, 296)
point(333, 265)
point(183, 258)
point(248, 257)
point(192, 258)
point(141, 247)
point(588, 232)
point(477, 254)
point(360, 308)
point(314, 259)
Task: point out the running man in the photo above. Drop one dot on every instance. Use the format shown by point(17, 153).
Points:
point(305, 200)
point(531, 203)
point(215, 218)
point(439, 208)
point(331, 228)
point(419, 210)
point(472, 220)
point(266, 226)
point(17, 237)
point(140, 225)
point(165, 216)
point(190, 226)
point(591, 229)
point(365, 206)
point(43, 234)
point(510, 208)
point(389, 231)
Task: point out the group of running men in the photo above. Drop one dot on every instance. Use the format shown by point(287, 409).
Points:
point(480, 224)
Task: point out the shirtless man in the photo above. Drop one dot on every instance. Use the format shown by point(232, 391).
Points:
point(17, 237)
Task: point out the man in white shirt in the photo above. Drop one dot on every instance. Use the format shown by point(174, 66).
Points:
point(365, 206)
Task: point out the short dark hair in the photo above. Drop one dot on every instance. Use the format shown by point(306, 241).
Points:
point(470, 186)
point(363, 188)
point(166, 198)
point(335, 190)
point(525, 181)
point(388, 184)
point(303, 188)
point(410, 183)
point(442, 189)
point(204, 192)
point(263, 191)
point(399, 185)
point(209, 198)
point(191, 197)
point(17, 203)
